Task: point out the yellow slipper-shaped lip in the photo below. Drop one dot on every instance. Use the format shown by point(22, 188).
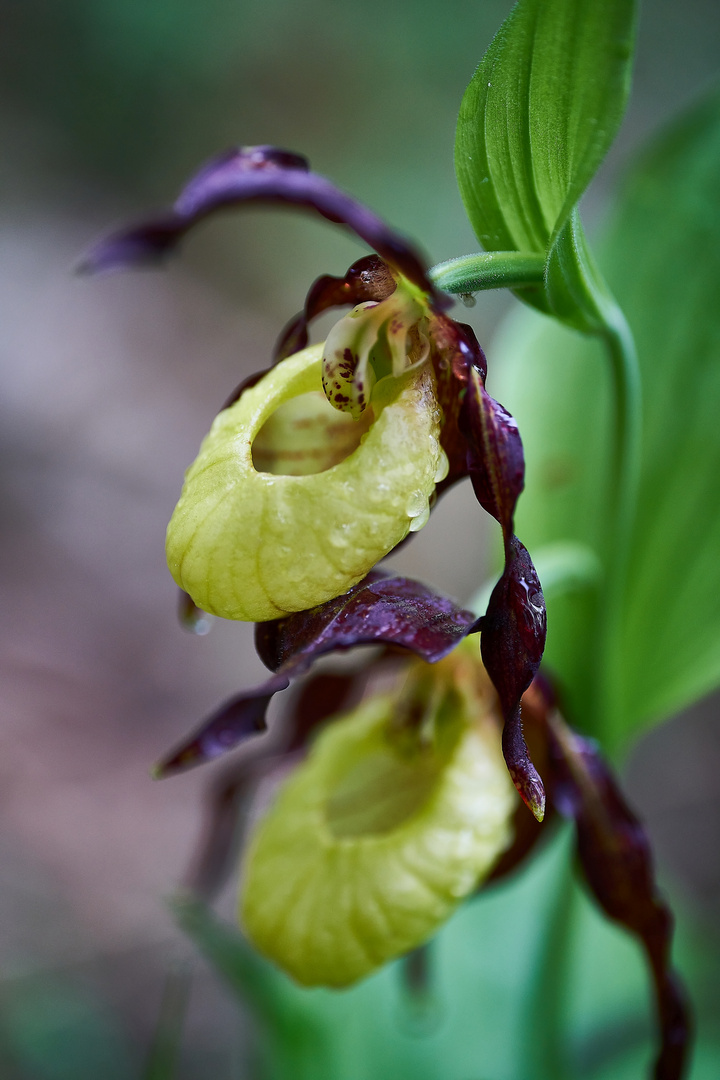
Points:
point(367, 850)
point(255, 546)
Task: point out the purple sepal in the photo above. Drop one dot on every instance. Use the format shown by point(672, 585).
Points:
point(234, 722)
point(456, 351)
point(512, 644)
point(523, 773)
point(367, 279)
point(380, 610)
point(514, 628)
point(496, 462)
point(616, 859)
point(262, 174)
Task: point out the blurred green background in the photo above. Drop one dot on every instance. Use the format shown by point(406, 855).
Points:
point(106, 388)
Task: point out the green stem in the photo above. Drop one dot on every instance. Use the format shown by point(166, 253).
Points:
point(165, 1050)
point(545, 1055)
point(488, 270)
point(625, 482)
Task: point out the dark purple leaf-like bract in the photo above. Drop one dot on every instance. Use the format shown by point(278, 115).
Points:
point(616, 859)
point(380, 610)
point(255, 174)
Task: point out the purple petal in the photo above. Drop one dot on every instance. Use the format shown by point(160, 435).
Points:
point(233, 723)
point(380, 610)
point(455, 351)
point(256, 174)
point(367, 279)
point(495, 453)
point(617, 862)
point(512, 644)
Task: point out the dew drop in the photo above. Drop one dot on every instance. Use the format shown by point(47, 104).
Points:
point(443, 467)
point(420, 520)
point(416, 504)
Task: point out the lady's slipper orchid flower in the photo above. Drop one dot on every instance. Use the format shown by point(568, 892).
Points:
point(311, 473)
point(400, 810)
point(258, 545)
point(234, 540)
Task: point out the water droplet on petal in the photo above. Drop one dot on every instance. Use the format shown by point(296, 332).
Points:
point(416, 503)
point(420, 520)
point(443, 467)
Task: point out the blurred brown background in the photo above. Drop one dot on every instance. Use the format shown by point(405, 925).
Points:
point(108, 385)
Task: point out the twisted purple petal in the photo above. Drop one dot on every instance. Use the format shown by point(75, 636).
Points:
point(261, 174)
point(380, 610)
point(616, 859)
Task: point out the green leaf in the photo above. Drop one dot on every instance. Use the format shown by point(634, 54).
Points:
point(538, 117)
point(662, 258)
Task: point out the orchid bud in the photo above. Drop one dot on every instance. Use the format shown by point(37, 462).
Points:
point(253, 539)
point(401, 809)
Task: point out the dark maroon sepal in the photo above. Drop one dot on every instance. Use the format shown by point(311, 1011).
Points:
point(234, 722)
point(367, 279)
point(523, 773)
point(456, 351)
point(261, 174)
point(496, 462)
point(380, 610)
point(616, 859)
point(512, 643)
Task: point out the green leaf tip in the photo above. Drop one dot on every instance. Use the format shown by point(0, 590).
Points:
point(377, 837)
point(538, 117)
point(254, 545)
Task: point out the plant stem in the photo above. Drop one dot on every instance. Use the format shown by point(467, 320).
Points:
point(165, 1050)
point(545, 1052)
point(488, 270)
point(624, 481)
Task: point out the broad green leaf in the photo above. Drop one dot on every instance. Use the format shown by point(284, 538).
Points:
point(539, 115)
point(662, 259)
point(536, 121)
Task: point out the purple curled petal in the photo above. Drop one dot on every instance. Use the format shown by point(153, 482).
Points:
point(379, 610)
point(523, 773)
point(145, 244)
point(514, 628)
point(265, 175)
point(233, 723)
point(512, 644)
point(496, 462)
point(456, 350)
point(616, 859)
